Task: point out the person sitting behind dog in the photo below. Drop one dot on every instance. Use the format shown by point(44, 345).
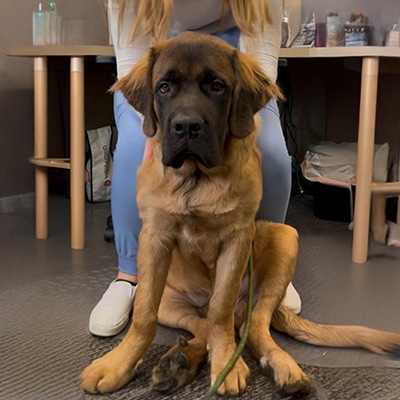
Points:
point(252, 26)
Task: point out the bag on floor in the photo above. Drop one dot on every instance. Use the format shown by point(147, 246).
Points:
point(99, 151)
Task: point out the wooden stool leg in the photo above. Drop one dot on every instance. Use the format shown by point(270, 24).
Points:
point(77, 154)
point(365, 157)
point(40, 145)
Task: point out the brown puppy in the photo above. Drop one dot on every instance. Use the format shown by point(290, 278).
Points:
point(198, 196)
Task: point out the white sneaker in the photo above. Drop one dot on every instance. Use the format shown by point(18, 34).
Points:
point(292, 299)
point(111, 314)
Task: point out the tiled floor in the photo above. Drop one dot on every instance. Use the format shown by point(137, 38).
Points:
point(47, 291)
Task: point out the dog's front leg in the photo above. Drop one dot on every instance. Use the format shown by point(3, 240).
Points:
point(231, 264)
point(117, 368)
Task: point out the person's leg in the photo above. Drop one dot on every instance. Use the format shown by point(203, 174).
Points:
point(128, 157)
point(275, 165)
point(111, 314)
point(276, 168)
point(277, 179)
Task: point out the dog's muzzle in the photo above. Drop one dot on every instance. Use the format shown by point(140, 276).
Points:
point(188, 138)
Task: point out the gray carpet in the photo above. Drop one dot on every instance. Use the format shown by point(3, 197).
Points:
point(47, 292)
point(366, 383)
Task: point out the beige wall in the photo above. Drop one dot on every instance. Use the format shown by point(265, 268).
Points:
point(327, 94)
point(16, 87)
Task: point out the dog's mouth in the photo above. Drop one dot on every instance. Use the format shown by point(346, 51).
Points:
point(178, 160)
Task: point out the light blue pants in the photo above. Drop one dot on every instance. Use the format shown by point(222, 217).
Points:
point(275, 165)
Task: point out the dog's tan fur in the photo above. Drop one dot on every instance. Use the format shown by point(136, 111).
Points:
point(198, 228)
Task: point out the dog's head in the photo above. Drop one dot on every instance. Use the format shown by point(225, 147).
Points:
point(194, 90)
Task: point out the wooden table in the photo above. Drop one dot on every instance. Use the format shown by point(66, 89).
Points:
point(40, 159)
point(366, 132)
point(371, 56)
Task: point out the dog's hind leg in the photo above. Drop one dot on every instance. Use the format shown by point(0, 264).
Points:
point(275, 252)
point(180, 364)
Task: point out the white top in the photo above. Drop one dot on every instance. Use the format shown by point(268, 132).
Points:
point(196, 15)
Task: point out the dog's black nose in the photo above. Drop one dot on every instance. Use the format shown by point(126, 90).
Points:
point(187, 127)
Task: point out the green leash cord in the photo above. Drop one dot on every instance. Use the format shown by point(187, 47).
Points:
point(222, 375)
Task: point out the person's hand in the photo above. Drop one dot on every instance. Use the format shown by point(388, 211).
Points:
point(148, 151)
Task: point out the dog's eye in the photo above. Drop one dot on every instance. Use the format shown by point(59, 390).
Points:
point(217, 86)
point(163, 87)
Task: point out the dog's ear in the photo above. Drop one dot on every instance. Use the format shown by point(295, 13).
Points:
point(254, 89)
point(136, 86)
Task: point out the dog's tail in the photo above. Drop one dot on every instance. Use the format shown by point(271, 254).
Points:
point(377, 341)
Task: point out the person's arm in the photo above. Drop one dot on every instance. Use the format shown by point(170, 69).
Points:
point(127, 53)
point(266, 47)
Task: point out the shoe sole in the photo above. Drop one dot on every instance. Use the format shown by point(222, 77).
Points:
point(100, 331)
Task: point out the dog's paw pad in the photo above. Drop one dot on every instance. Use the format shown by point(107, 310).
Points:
point(171, 373)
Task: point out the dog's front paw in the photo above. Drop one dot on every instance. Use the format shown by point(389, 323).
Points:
point(287, 374)
point(105, 375)
point(235, 382)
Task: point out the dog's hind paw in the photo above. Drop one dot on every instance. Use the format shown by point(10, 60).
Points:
point(179, 365)
point(172, 372)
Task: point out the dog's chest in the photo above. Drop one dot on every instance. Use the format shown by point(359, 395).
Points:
point(198, 242)
point(205, 201)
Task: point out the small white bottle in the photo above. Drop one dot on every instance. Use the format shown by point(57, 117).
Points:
point(40, 23)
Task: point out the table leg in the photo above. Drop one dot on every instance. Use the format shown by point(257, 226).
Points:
point(365, 157)
point(77, 154)
point(379, 226)
point(40, 145)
